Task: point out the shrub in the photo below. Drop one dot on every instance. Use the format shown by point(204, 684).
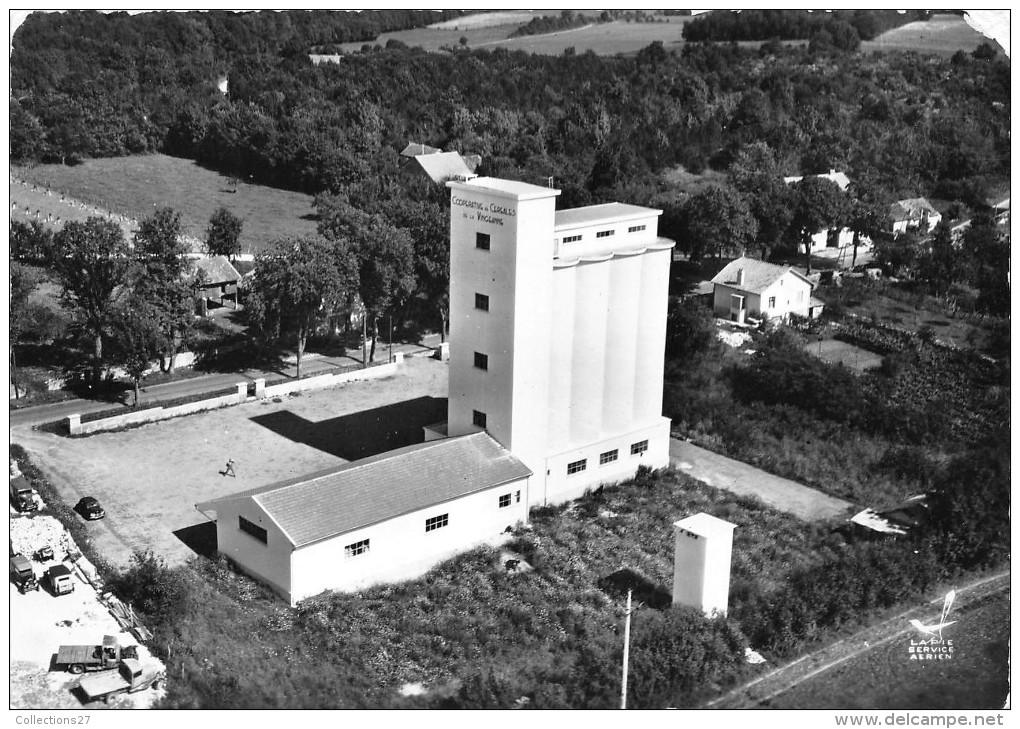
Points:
point(679, 653)
point(153, 588)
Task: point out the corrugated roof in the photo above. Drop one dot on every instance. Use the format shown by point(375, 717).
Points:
point(443, 166)
point(365, 492)
point(758, 275)
point(910, 208)
point(217, 269)
point(413, 149)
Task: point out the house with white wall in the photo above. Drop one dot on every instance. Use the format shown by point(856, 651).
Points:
point(829, 237)
point(748, 287)
point(388, 517)
point(913, 214)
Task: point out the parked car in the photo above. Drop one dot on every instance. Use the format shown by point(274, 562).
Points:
point(22, 574)
point(61, 579)
point(90, 509)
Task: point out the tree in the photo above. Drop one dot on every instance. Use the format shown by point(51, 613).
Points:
point(819, 203)
point(23, 283)
point(91, 272)
point(385, 255)
point(385, 258)
point(867, 218)
point(222, 237)
point(939, 265)
point(31, 242)
point(755, 173)
point(163, 280)
point(716, 221)
point(690, 330)
point(136, 338)
point(298, 282)
point(430, 233)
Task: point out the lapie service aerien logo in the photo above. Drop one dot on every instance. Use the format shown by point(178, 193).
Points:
point(932, 644)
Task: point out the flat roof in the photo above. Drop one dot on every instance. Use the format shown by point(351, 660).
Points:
point(506, 188)
point(355, 495)
point(706, 525)
point(606, 213)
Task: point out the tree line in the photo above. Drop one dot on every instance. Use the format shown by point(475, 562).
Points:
point(903, 123)
point(759, 25)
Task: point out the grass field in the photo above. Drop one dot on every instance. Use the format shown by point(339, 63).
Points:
point(605, 39)
point(976, 677)
point(834, 351)
point(133, 187)
point(942, 35)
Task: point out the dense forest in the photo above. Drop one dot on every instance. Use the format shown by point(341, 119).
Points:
point(753, 25)
point(88, 85)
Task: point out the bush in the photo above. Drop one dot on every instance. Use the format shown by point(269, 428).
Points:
point(158, 591)
point(678, 654)
point(690, 331)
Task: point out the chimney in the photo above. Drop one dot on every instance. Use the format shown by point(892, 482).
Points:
point(740, 277)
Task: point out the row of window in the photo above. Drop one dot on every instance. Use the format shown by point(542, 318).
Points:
point(483, 241)
point(636, 449)
point(431, 524)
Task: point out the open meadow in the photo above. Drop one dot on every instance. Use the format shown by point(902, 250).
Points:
point(942, 35)
point(132, 187)
point(604, 39)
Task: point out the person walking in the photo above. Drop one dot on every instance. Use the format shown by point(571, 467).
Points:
point(229, 470)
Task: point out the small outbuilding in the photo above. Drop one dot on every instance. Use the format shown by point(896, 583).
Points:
point(913, 214)
point(748, 287)
point(217, 282)
point(385, 518)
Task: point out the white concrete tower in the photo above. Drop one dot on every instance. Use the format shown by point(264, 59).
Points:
point(501, 251)
point(701, 567)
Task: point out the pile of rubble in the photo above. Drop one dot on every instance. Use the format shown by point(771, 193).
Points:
point(28, 535)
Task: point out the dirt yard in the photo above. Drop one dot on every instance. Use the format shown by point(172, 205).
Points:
point(41, 622)
point(150, 478)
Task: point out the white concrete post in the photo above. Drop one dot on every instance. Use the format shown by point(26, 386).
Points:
point(260, 388)
point(398, 358)
point(701, 567)
point(74, 424)
point(242, 392)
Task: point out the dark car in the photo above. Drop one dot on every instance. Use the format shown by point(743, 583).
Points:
point(89, 508)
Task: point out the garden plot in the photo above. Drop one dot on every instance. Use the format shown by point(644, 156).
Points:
point(834, 351)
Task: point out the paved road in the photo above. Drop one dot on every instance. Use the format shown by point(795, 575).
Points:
point(206, 383)
point(740, 478)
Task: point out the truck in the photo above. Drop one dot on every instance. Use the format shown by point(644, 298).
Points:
point(22, 574)
point(82, 658)
point(130, 677)
point(23, 495)
point(61, 579)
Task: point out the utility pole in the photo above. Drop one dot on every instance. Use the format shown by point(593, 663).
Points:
point(364, 339)
point(391, 337)
point(626, 655)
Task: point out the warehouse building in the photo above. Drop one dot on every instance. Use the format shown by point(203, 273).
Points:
point(388, 517)
point(557, 328)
